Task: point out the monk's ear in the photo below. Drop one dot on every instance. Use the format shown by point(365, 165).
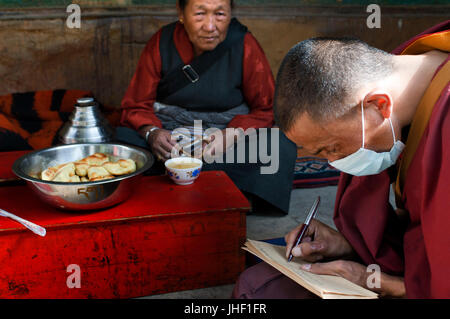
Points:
point(382, 101)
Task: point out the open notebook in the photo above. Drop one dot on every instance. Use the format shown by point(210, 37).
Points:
point(327, 287)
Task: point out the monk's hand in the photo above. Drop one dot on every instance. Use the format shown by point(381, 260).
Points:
point(349, 270)
point(161, 143)
point(384, 284)
point(320, 241)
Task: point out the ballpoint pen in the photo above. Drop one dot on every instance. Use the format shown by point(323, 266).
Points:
point(305, 225)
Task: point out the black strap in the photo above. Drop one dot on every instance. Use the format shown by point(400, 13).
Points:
point(182, 75)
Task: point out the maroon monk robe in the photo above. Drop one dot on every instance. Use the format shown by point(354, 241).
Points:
point(258, 84)
point(364, 216)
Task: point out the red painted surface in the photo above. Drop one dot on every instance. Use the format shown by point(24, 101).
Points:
point(7, 160)
point(164, 238)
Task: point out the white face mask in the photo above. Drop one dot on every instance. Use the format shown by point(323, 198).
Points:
point(367, 162)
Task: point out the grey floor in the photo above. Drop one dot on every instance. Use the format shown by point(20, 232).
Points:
point(264, 227)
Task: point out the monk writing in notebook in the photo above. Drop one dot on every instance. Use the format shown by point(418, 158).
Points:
point(384, 121)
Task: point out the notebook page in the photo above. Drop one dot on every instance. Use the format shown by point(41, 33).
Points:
point(326, 284)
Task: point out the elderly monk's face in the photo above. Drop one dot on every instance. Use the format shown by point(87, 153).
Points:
point(339, 138)
point(206, 23)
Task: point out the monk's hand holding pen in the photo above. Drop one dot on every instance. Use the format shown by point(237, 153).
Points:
point(320, 241)
point(323, 242)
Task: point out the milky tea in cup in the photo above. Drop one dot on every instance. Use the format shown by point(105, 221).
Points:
point(183, 165)
point(183, 170)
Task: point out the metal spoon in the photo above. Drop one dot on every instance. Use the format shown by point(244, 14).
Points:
point(31, 226)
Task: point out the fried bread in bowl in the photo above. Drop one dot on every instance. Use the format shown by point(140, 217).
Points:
point(88, 195)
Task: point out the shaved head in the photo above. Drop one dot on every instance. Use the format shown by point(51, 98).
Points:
point(321, 77)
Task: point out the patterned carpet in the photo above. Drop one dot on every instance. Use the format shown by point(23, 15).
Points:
point(314, 172)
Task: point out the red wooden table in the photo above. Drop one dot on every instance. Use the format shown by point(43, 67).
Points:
point(7, 160)
point(164, 238)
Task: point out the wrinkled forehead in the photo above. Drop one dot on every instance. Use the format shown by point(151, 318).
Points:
point(305, 131)
point(209, 4)
point(308, 132)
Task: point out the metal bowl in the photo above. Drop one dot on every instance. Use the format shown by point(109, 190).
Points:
point(84, 195)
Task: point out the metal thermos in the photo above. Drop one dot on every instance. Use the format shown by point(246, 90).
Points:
point(86, 124)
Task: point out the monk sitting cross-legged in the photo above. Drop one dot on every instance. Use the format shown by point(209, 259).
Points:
point(383, 120)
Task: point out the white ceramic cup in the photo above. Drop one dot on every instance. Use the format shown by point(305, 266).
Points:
point(183, 176)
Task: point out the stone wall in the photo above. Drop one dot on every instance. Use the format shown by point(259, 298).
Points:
point(38, 51)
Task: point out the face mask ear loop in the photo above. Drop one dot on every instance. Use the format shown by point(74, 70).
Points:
point(363, 127)
point(392, 128)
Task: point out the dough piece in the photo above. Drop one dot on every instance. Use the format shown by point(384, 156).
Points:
point(121, 167)
point(66, 173)
point(84, 179)
point(97, 171)
point(50, 173)
point(96, 159)
point(75, 179)
point(81, 168)
point(101, 178)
